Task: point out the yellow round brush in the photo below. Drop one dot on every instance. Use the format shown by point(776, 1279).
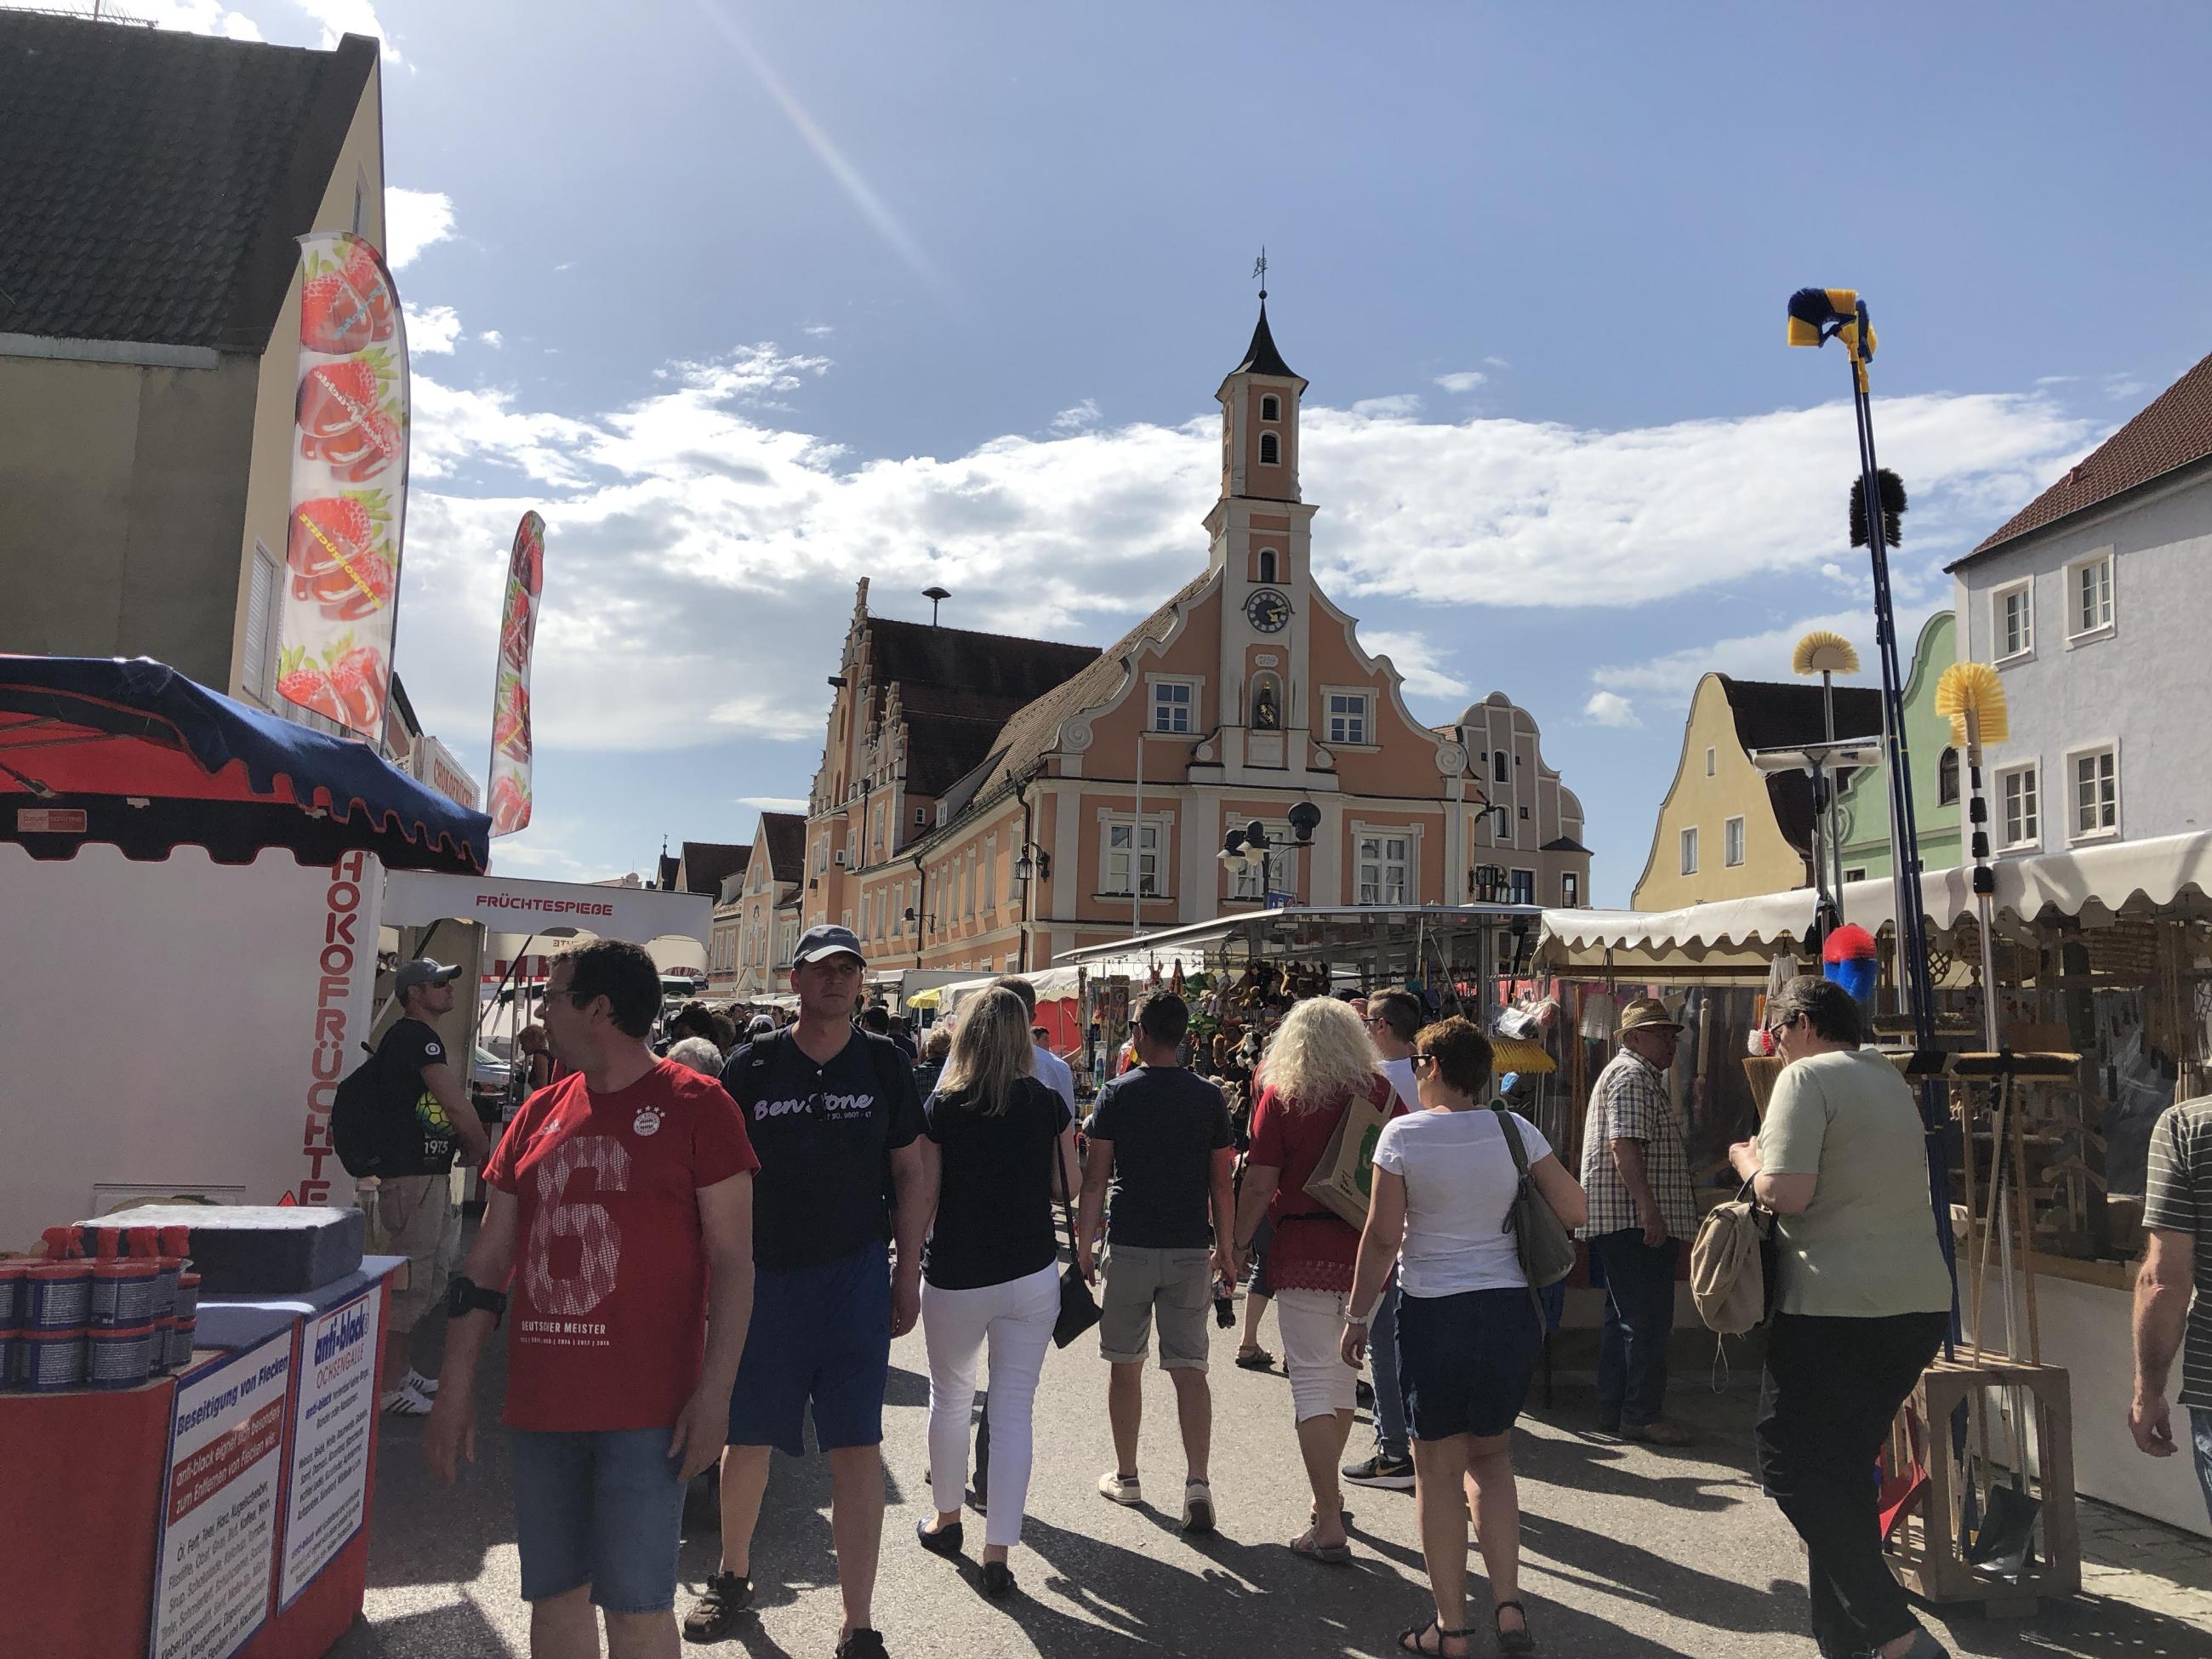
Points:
point(1822, 652)
point(1972, 688)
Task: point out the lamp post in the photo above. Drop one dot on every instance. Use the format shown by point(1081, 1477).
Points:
point(1033, 860)
point(1239, 847)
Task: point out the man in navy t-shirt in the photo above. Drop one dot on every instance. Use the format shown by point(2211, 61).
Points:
point(833, 1117)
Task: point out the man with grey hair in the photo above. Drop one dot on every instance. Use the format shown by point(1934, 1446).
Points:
point(1636, 1170)
point(700, 1054)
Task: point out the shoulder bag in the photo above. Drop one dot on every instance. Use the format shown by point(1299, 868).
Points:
point(1079, 1309)
point(1541, 1240)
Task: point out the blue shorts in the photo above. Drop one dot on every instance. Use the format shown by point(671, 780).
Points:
point(601, 1509)
point(1464, 1362)
point(819, 1336)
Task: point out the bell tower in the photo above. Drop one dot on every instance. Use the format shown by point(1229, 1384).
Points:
point(1259, 422)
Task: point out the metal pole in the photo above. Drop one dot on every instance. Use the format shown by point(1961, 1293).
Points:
point(1137, 847)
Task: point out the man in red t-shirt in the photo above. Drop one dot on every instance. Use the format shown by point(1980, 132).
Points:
point(621, 1206)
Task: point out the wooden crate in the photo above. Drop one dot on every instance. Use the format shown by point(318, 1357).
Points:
point(1924, 1550)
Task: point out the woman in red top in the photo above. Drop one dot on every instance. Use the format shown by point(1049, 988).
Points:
point(1320, 1063)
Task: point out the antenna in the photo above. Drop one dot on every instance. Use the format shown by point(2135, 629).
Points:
point(936, 596)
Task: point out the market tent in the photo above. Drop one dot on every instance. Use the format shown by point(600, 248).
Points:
point(131, 753)
point(2094, 884)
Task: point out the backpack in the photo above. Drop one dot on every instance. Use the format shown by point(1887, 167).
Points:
point(1727, 1272)
point(355, 1111)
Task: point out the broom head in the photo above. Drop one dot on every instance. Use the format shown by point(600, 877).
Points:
point(1822, 652)
point(1813, 309)
point(1893, 509)
point(1972, 685)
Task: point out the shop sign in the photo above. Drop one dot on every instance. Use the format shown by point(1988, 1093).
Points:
point(216, 1551)
point(328, 1485)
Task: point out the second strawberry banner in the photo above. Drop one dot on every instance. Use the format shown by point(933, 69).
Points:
point(349, 486)
point(510, 705)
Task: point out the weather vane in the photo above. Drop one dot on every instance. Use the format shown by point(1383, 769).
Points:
point(1260, 271)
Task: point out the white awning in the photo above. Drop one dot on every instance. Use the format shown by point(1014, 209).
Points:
point(2092, 884)
point(416, 898)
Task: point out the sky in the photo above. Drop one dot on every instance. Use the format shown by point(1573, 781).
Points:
point(752, 300)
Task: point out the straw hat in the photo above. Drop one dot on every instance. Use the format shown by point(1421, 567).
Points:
point(1647, 1014)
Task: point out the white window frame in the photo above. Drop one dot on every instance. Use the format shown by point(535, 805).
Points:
point(1732, 842)
point(1265, 438)
point(1686, 846)
point(990, 899)
point(1365, 697)
point(2024, 652)
point(1247, 885)
point(1372, 851)
point(1271, 406)
point(1712, 760)
point(1189, 684)
point(258, 670)
point(2078, 632)
point(2030, 841)
point(2075, 834)
point(1150, 845)
point(1269, 564)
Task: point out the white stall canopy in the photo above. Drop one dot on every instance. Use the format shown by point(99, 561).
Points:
point(2092, 884)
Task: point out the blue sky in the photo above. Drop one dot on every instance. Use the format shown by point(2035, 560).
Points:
point(750, 300)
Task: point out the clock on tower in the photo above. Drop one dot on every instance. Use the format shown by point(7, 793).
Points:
point(1267, 611)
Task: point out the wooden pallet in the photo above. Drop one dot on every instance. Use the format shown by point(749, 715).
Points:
point(1925, 1549)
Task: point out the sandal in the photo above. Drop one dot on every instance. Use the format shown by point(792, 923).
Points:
point(1329, 1555)
point(1255, 1360)
point(1515, 1644)
point(727, 1596)
point(1409, 1641)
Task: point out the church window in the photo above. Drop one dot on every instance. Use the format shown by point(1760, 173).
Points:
point(1271, 450)
point(1499, 763)
point(1268, 565)
point(1271, 408)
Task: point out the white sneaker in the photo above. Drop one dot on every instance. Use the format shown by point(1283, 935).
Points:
point(1197, 1506)
point(425, 1386)
point(1114, 1489)
point(406, 1402)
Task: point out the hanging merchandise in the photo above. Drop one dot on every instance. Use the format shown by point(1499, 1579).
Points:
point(349, 487)
point(508, 780)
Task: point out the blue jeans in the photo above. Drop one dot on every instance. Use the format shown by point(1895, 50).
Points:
point(1639, 1313)
point(1390, 1392)
point(2200, 1425)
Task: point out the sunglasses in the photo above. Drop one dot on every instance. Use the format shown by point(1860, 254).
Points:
point(1423, 1063)
point(1782, 1026)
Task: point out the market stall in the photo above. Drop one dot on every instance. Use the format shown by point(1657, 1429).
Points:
point(2103, 962)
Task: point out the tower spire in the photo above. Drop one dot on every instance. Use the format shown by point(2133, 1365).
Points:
point(1259, 272)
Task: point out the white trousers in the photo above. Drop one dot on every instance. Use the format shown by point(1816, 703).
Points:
point(1312, 1324)
point(1015, 1319)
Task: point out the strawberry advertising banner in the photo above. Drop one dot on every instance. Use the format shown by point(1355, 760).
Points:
point(510, 704)
point(349, 486)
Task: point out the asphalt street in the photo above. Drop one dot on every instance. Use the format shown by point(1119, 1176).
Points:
point(1628, 1552)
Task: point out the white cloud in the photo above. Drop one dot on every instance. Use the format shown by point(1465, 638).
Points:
point(774, 802)
point(1465, 380)
point(702, 549)
point(1403, 405)
point(492, 338)
point(349, 17)
point(1668, 680)
point(1497, 362)
point(1415, 660)
point(413, 220)
point(432, 330)
point(1610, 708)
point(813, 330)
point(1074, 418)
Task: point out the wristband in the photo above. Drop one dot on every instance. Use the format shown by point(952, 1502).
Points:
point(1359, 1321)
point(464, 1296)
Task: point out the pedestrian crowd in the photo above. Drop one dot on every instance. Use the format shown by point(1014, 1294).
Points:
point(691, 1267)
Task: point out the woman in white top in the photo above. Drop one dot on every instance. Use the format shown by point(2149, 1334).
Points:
point(1468, 1333)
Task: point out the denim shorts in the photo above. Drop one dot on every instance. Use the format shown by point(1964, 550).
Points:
point(2200, 1425)
point(603, 1508)
point(820, 1336)
point(1464, 1362)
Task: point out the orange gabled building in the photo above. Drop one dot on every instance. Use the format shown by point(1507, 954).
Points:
point(954, 827)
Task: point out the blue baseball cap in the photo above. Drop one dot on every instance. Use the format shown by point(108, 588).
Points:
point(816, 943)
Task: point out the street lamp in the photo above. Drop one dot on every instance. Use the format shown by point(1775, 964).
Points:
point(1239, 847)
point(1033, 861)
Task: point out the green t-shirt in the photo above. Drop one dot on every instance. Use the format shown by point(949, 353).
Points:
point(1866, 1246)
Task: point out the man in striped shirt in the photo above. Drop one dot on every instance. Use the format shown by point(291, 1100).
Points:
point(2177, 1222)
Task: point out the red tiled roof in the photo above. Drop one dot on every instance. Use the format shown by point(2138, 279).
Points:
point(2175, 430)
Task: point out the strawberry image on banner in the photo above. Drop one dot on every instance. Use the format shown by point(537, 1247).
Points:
point(510, 705)
point(349, 486)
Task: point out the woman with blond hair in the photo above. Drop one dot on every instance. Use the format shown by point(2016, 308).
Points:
point(989, 1270)
point(1320, 1063)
